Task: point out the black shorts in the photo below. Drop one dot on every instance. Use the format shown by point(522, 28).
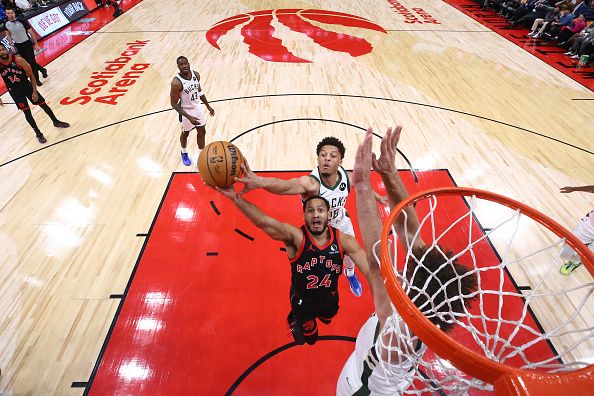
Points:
point(306, 312)
point(21, 94)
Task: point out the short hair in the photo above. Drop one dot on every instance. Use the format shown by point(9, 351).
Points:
point(180, 58)
point(316, 197)
point(427, 289)
point(331, 141)
point(10, 9)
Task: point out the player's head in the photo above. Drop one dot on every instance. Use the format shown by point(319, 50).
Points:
point(3, 52)
point(182, 64)
point(315, 214)
point(10, 14)
point(330, 152)
point(432, 285)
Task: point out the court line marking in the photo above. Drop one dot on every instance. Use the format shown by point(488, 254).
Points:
point(309, 94)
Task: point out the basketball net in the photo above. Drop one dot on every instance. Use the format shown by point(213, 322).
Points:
point(528, 328)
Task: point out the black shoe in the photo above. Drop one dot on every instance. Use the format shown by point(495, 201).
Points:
point(44, 73)
point(40, 137)
point(295, 329)
point(61, 124)
point(39, 83)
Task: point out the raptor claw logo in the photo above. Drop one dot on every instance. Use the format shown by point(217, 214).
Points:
point(258, 32)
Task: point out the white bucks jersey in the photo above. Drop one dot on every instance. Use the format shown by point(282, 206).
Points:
point(191, 91)
point(336, 195)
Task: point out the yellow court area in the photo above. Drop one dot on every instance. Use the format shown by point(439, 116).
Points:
point(471, 102)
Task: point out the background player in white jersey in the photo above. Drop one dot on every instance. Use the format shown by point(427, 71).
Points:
point(186, 98)
point(328, 180)
point(383, 360)
point(584, 231)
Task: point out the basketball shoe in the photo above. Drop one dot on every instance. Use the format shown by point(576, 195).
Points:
point(185, 159)
point(40, 137)
point(354, 284)
point(295, 329)
point(569, 267)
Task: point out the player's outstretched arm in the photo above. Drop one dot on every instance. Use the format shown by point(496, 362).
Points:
point(288, 234)
point(379, 198)
point(370, 226)
point(386, 167)
point(568, 189)
point(304, 185)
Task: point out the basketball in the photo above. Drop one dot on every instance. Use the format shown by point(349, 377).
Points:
point(219, 163)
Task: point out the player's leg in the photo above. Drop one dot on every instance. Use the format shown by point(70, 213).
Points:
point(294, 325)
point(200, 137)
point(304, 326)
point(20, 99)
point(348, 383)
point(41, 103)
point(327, 309)
point(186, 128)
point(585, 233)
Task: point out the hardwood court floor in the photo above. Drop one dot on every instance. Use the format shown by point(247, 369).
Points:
point(493, 115)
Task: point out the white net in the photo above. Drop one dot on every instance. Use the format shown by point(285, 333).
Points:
point(524, 313)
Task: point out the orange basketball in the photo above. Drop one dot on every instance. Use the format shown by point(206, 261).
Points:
point(219, 163)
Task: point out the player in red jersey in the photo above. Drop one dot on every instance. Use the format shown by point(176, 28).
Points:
point(315, 252)
point(21, 85)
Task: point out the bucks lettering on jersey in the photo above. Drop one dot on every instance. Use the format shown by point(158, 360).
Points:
point(336, 195)
point(315, 269)
point(191, 91)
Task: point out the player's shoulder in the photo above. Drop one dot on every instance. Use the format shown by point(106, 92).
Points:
point(176, 82)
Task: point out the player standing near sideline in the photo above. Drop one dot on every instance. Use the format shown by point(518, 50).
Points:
point(186, 97)
point(21, 85)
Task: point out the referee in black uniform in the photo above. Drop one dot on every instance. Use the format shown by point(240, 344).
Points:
point(20, 34)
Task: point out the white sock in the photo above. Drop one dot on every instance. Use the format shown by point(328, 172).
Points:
point(184, 150)
point(349, 266)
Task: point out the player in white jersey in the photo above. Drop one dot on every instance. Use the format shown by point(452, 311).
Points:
point(186, 98)
point(584, 231)
point(328, 180)
point(336, 195)
point(386, 350)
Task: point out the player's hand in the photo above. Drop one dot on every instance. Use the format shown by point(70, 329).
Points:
point(566, 190)
point(229, 192)
point(363, 158)
point(250, 180)
point(386, 162)
point(194, 120)
point(211, 111)
point(35, 96)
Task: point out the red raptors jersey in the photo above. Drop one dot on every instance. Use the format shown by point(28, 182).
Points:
point(315, 269)
point(14, 77)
